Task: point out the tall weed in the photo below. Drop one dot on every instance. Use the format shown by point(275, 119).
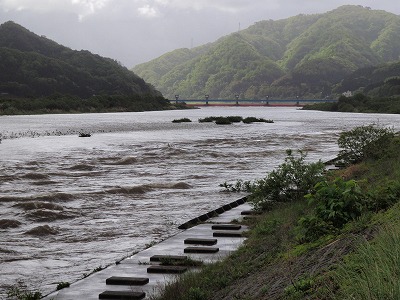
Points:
point(373, 271)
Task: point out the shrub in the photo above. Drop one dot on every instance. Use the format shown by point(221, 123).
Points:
point(62, 285)
point(335, 204)
point(311, 228)
point(363, 142)
point(384, 197)
point(239, 186)
point(290, 181)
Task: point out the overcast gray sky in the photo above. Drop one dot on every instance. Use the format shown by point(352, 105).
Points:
point(136, 31)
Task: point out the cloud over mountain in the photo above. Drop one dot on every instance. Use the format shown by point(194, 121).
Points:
point(135, 31)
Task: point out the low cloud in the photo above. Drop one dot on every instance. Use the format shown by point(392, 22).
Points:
point(33, 5)
point(81, 8)
point(231, 6)
point(148, 11)
point(135, 31)
point(88, 7)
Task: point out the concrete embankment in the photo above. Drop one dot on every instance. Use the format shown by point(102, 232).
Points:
point(207, 239)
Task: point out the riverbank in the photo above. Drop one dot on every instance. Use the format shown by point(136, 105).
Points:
point(360, 103)
point(275, 264)
point(206, 239)
point(65, 104)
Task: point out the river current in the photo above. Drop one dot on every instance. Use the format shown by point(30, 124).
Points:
point(70, 204)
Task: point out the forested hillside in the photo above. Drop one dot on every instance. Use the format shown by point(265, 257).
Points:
point(33, 67)
point(305, 56)
point(375, 81)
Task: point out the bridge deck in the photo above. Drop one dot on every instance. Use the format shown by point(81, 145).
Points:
point(246, 102)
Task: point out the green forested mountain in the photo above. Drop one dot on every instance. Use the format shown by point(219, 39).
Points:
point(33, 66)
point(374, 89)
point(375, 81)
point(305, 56)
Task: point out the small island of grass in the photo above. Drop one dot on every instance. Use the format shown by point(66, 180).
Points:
point(233, 119)
point(182, 120)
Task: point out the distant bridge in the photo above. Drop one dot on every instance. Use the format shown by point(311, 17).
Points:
point(240, 102)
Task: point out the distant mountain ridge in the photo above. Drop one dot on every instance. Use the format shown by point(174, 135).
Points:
point(34, 66)
point(305, 55)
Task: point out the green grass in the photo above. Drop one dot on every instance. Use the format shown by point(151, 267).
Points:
point(372, 271)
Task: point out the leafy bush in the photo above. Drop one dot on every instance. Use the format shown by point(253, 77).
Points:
point(384, 197)
point(363, 142)
point(311, 228)
point(335, 204)
point(290, 181)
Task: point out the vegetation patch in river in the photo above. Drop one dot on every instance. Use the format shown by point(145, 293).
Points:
point(183, 120)
point(233, 119)
point(250, 120)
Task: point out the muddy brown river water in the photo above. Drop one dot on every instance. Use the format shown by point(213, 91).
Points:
point(69, 204)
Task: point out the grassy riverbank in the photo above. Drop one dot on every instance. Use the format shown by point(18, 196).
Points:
point(352, 252)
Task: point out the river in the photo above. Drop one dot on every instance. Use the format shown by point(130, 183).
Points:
point(70, 204)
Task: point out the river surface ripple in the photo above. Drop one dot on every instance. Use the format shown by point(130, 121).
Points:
point(69, 205)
